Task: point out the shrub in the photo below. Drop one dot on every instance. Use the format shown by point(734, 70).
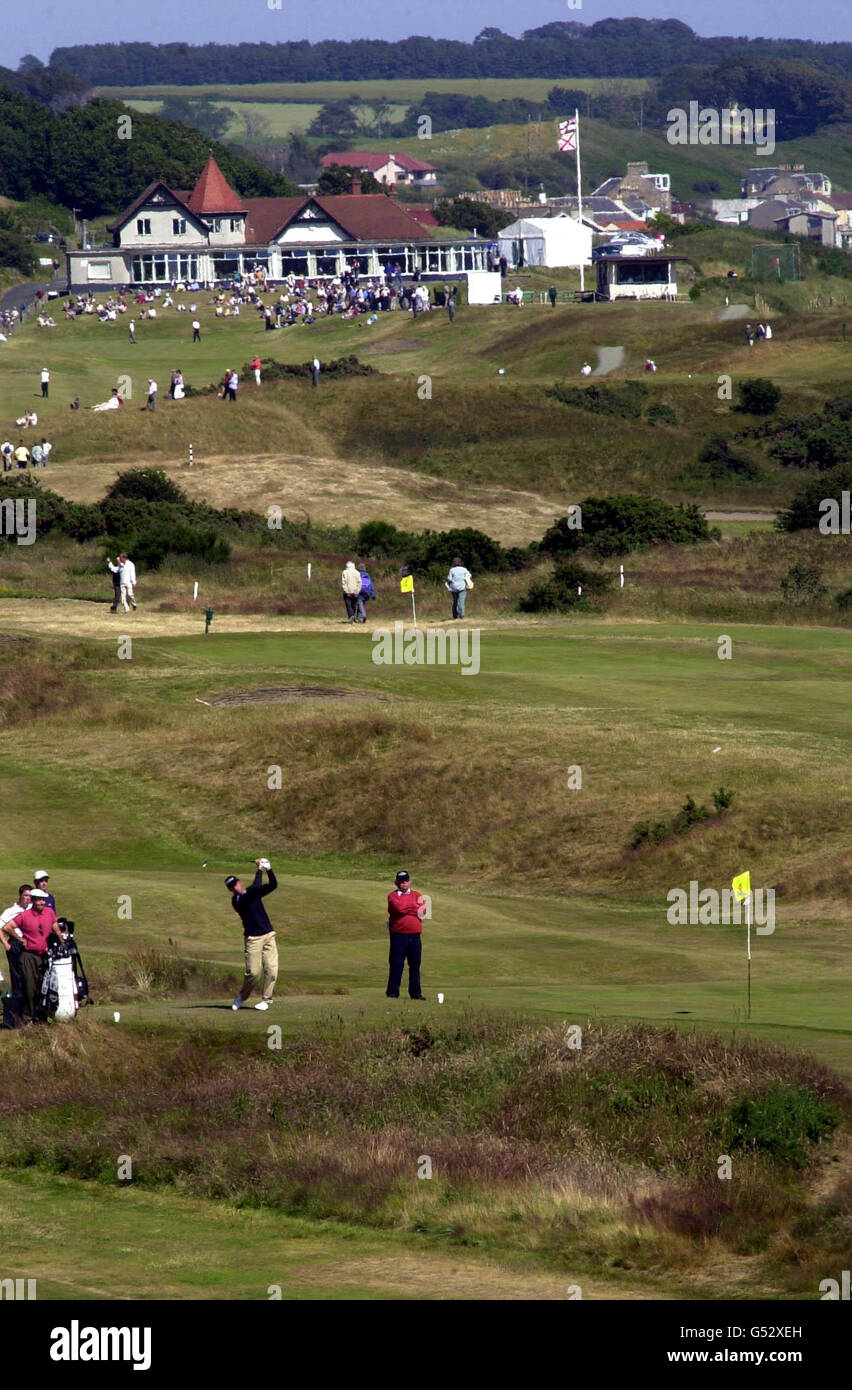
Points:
point(722, 800)
point(561, 592)
point(844, 598)
point(380, 538)
point(758, 396)
point(718, 460)
point(616, 525)
point(146, 485)
point(780, 1122)
point(625, 401)
point(660, 414)
point(805, 510)
point(802, 583)
point(688, 815)
point(648, 832)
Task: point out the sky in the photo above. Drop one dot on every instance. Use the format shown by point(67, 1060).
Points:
point(47, 26)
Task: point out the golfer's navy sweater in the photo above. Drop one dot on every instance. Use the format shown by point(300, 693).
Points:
point(250, 909)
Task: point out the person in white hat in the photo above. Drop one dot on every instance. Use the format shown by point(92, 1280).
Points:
point(40, 880)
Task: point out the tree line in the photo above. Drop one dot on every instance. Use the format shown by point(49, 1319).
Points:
point(610, 48)
point(78, 158)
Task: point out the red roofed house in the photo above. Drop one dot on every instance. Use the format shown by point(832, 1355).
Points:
point(387, 168)
point(168, 235)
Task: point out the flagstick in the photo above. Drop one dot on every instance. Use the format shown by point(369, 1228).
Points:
point(748, 948)
point(579, 193)
point(413, 609)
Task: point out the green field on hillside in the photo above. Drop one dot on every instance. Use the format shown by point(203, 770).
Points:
point(396, 90)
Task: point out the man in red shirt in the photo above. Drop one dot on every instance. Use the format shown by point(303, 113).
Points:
point(32, 927)
point(406, 909)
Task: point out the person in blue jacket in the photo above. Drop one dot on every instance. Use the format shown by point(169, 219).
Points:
point(367, 592)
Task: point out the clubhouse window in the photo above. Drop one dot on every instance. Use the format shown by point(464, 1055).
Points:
point(178, 226)
point(294, 262)
point(143, 226)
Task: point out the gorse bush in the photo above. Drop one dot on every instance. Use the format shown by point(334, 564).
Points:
point(570, 586)
point(661, 414)
point(718, 460)
point(758, 396)
point(803, 584)
point(434, 551)
point(781, 1122)
point(654, 831)
point(617, 525)
point(805, 511)
point(625, 401)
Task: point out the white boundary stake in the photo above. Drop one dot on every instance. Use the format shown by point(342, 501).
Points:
point(190, 456)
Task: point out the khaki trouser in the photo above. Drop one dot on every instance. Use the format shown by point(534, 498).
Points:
point(261, 958)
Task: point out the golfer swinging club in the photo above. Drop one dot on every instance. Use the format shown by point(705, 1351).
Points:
point(260, 945)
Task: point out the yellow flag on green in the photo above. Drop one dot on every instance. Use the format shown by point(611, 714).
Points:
point(406, 584)
point(742, 886)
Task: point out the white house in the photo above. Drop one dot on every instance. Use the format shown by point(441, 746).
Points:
point(212, 233)
point(386, 168)
point(547, 241)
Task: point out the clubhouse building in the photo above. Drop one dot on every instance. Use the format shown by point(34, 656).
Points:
point(211, 234)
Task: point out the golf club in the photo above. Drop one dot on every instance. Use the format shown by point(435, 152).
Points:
point(227, 863)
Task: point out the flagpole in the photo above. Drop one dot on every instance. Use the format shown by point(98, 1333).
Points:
point(579, 192)
point(748, 949)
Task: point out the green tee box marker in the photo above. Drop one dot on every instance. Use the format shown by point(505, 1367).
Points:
point(208, 618)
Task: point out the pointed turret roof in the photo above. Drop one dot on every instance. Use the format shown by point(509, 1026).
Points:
point(213, 193)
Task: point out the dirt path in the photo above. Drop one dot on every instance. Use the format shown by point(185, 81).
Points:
point(733, 311)
point(740, 516)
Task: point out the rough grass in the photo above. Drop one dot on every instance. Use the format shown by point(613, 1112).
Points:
point(591, 1156)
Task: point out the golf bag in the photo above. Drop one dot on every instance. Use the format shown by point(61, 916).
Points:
point(80, 982)
point(58, 988)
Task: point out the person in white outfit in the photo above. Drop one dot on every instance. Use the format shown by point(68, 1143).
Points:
point(126, 580)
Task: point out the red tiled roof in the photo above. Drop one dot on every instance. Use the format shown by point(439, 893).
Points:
point(213, 193)
point(266, 216)
point(361, 216)
point(370, 159)
point(424, 216)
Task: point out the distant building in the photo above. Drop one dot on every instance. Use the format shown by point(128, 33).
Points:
point(782, 181)
point(386, 168)
point(804, 219)
point(167, 235)
point(638, 277)
point(643, 192)
point(842, 205)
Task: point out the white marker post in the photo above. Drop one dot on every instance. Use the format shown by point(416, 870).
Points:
point(621, 576)
point(309, 569)
point(195, 591)
point(190, 455)
point(748, 950)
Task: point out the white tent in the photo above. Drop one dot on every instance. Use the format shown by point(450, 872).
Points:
point(550, 241)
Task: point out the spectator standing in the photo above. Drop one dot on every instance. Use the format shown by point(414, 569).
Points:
point(45, 382)
point(350, 583)
point(115, 570)
point(365, 593)
point(46, 451)
point(127, 582)
point(232, 382)
point(36, 455)
point(151, 402)
point(11, 940)
point(8, 454)
point(33, 926)
point(196, 331)
point(551, 294)
point(406, 910)
point(315, 372)
point(255, 366)
point(458, 582)
point(22, 454)
point(131, 329)
point(41, 878)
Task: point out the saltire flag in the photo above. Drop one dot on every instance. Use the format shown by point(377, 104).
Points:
point(568, 134)
point(742, 886)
